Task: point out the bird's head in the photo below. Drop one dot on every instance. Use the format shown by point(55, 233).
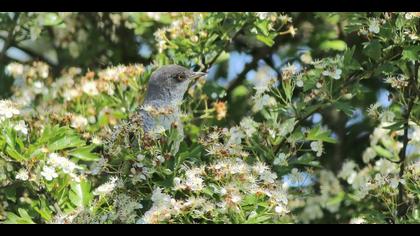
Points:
point(170, 83)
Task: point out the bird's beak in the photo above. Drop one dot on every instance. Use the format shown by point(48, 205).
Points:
point(197, 75)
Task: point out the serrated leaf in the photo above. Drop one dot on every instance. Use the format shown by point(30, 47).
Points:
point(396, 126)
point(80, 194)
point(23, 217)
point(344, 107)
point(265, 39)
point(411, 53)
point(14, 154)
point(85, 153)
point(66, 142)
point(373, 50)
point(317, 134)
point(263, 27)
point(349, 62)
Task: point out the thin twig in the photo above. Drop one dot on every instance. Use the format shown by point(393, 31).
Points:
point(222, 49)
point(10, 37)
point(412, 96)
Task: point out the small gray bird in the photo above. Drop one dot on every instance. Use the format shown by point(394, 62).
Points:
point(165, 92)
point(161, 106)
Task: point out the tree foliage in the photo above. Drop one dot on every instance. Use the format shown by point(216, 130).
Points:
point(303, 118)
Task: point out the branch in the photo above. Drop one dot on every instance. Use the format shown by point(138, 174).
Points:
point(258, 54)
point(411, 94)
point(354, 78)
point(227, 43)
point(29, 52)
point(9, 39)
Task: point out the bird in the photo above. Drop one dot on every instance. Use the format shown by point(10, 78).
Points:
point(161, 106)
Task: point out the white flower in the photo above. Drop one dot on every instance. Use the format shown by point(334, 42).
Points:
point(374, 26)
point(318, 147)
point(394, 182)
point(157, 131)
point(387, 116)
point(22, 175)
point(263, 101)
point(7, 110)
point(265, 15)
point(306, 58)
point(373, 110)
point(287, 127)
point(194, 181)
point(160, 199)
point(248, 125)
point(79, 122)
point(236, 198)
point(280, 160)
point(357, 220)
point(368, 155)
point(296, 176)
point(409, 16)
point(90, 88)
point(222, 191)
point(178, 184)
point(70, 94)
point(96, 140)
point(106, 188)
point(386, 167)
point(347, 171)
point(140, 157)
point(299, 81)
point(49, 173)
point(38, 87)
point(63, 163)
point(335, 73)
point(154, 15)
point(236, 136)
point(21, 127)
point(281, 209)
point(414, 135)
point(263, 80)
point(288, 71)
point(15, 69)
point(260, 168)
point(268, 177)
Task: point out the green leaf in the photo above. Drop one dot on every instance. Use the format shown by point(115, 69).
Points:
point(23, 217)
point(288, 89)
point(383, 152)
point(338, 45)
point(349, 62)
point(411, 53)
point(50, 19)
point(14, 154)
point(263, 27)
point(240, 91)
point(373, 50)
point(265, 39)
point(10, 138)
point(80, 194)
point(85, 153)
point(344, 107)
point(396, 126)
point(317, 134)
point(66, 142)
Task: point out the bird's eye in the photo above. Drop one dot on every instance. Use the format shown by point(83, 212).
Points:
point(180, 77)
